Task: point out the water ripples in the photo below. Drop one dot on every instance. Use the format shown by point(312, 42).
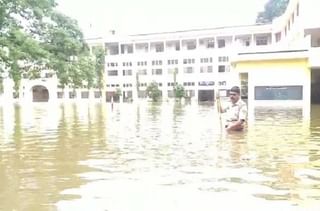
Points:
point(156, 157)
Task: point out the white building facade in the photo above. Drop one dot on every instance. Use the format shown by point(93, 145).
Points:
point(201, 60)
point(197, 59)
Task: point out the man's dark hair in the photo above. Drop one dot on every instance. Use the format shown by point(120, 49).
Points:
point(235, 89)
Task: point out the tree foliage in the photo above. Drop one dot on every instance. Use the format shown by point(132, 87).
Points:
point(153, 91)
point(272, 9)
point(35, 37)
point(179, 91)
point(99, 55)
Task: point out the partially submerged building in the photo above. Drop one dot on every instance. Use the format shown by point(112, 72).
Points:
point(275, 64)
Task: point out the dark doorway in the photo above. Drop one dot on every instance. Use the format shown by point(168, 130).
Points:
point(315, 86)
point(110, 95)
point(206, 95)
point(244, 85)
point(40, 94)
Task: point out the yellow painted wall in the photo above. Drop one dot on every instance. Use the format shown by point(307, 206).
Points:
point(284, 72)
point(286, 64)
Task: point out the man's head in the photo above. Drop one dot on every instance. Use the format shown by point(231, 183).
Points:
point(234, 94)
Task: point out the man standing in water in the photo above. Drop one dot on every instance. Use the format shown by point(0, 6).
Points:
point(236, 112)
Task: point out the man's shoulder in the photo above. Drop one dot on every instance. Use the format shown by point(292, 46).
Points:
point(241, 103)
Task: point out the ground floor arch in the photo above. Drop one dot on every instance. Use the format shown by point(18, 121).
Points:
point(40, 94)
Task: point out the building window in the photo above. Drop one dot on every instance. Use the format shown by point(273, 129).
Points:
point(278, 92)
point(112, 72)
point(72, 95)
point(127, 64)
point(223, 59)
point(142, 72)
point(190, 93)
point(206, 83)
point(210, 43)
point(177, 47)
point(221, 68)
point(142, 63)
point(298, 10)
point(126, 49)
point(159, 47)
point(188, 83)
point(156, 62)
point(156, 71)
point(85, 95)
point(188, 70)
point(221, 43)
point(130, 48)
point(206, 60)
point(112, 64)
point(127, 85)
point(97, 94)
point(142, 94)
point(262, 40)
point(191, 45)
point(189, 61)
point(172, 61)
point(60, 95)
point(289, 25)
point(206, 69)
point(127, 72)
point(247, 43)
point(222, 83)
point(173, 70)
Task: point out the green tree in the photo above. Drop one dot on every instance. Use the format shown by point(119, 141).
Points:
point(34, 37)
point(272, 9)
point(86, 66)
point(99, 55)
point(21, 22)
point(65, 44)
point(24, 54)
point(1, 85)
point(153, 91)
point(179, 91)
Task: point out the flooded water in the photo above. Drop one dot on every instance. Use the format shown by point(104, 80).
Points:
point(156, 158)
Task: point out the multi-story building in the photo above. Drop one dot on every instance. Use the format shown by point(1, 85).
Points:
point(202, 60)
point(197, 59)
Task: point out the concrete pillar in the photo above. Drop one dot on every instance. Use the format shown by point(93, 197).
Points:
point(196, 94)
point(91, 94)
point(307, 95)
point(65, 94)
point(250, 104)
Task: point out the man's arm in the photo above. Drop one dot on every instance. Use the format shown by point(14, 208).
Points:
point(235, 125)
point(238, 125)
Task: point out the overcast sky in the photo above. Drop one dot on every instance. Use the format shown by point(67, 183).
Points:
point(144, 16)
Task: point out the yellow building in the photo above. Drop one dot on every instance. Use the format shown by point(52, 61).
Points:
point(279, 78)
point(288, 74)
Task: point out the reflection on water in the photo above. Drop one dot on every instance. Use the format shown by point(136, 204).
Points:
point(156, 157)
